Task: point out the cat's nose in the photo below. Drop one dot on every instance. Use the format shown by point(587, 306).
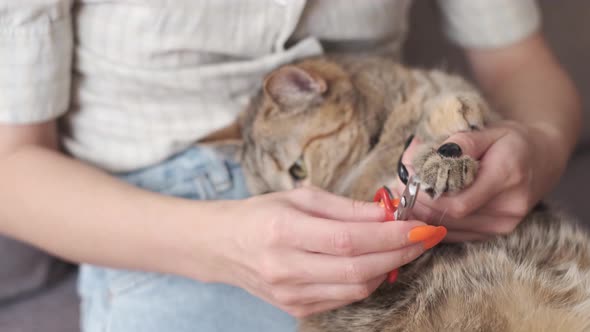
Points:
point(451, 150)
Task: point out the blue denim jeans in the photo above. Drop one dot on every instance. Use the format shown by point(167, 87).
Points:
point(129, 301)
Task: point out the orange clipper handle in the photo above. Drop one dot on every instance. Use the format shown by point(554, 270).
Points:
point(385, 199)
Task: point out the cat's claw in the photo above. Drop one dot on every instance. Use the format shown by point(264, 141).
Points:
point(444, 172)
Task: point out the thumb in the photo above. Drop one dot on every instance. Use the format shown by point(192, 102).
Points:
point(474, 143)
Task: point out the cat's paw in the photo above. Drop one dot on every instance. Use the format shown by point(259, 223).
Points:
point(444, 170)
point(449, 113)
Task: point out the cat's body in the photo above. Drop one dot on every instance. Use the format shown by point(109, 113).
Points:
point(536, 279)
point(341, 124)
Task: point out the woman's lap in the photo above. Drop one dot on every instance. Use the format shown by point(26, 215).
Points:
point(127, 301)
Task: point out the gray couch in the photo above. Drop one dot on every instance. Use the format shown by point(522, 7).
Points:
point(54, 306)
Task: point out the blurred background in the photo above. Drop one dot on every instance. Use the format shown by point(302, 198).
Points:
point(49, 303)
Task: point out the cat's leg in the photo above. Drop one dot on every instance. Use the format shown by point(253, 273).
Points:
point(451, 112)
point(379, 166)
point(440, 173)
point(374, 171)
point(444, 168)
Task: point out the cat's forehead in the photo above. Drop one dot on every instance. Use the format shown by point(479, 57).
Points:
point(319, 121)
point(327, 69)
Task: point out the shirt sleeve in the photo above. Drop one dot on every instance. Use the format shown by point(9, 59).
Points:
point(489, 23)
point(36, 45)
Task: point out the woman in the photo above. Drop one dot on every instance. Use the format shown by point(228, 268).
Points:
point(118, 184)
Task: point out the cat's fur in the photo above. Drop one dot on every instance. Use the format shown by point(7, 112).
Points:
point(345, 121)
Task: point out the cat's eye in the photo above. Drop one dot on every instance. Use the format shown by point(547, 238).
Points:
point(298, 171)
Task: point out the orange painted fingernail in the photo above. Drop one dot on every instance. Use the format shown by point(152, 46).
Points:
point(438, 236)
point(428, 235)
point(422, 233)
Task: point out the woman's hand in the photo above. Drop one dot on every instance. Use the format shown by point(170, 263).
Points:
point(520, 161)
point(304, 250)
point(307, 251)
point(518, 165)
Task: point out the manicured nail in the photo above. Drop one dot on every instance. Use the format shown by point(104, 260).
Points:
point(421, 233)
point(428, 235)
point(451, 150)
point(434, 240)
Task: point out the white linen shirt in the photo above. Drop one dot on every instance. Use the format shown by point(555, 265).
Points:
point(135, 81)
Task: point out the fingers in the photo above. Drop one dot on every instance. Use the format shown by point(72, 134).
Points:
point(351, 239)
point(482, 224)
point(458, 206)
point(326, 205)
point(499, 170)
point(476, 143)
point(486, 225)
point(496, 181)
point(350, 270)
point(314, 293)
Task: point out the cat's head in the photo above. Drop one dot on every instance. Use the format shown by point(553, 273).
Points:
point(301, 129)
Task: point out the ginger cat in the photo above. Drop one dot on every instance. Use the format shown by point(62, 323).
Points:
point(340, 123)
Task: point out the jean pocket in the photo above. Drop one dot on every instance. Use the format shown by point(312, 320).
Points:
point(196, 173)
point(194, 187)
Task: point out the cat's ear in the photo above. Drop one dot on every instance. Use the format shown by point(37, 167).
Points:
point(292, 86)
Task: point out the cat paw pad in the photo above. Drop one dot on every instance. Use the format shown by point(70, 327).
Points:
point(444, 169)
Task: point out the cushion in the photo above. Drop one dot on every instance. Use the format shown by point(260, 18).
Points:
point(25, 270)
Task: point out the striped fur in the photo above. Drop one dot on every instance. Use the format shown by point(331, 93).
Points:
point(346, 120)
